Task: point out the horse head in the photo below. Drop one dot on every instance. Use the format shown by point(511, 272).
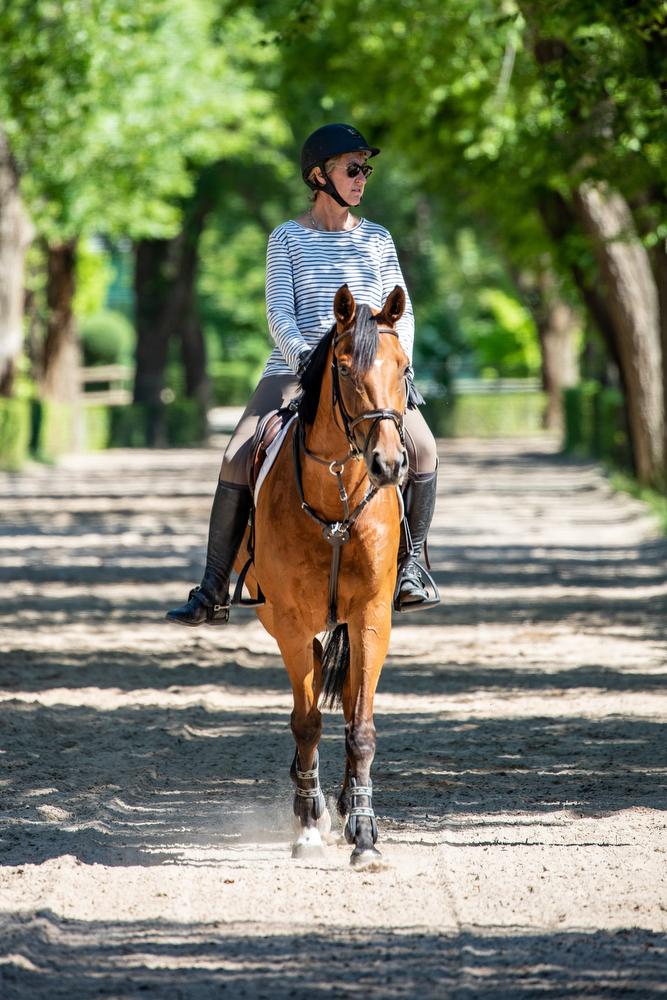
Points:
point(369, 368)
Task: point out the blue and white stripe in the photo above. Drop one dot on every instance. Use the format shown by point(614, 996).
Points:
point(304, 270)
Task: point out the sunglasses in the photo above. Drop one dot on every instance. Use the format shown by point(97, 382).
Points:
point(353, 169)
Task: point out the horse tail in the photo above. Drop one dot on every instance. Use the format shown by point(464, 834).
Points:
point(335, 665)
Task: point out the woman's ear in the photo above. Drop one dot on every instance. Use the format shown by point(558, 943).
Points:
point(317, 176)
point(394, 307)
point(344, 306)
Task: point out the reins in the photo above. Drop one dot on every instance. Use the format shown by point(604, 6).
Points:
point(337, 533)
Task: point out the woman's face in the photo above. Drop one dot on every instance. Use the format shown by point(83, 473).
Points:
point(351, 189)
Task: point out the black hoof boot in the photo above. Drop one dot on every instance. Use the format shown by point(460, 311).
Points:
point(361, 826)
point(199, 611)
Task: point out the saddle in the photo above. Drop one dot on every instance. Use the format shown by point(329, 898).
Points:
point(268, 429)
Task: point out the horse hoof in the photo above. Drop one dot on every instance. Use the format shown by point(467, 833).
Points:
point(368, 859)
point(304, 852)
point(324, 824)
point(308, 844)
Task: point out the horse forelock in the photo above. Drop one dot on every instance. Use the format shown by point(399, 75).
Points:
point(365, 340)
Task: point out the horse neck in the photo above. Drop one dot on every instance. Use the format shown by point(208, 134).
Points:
point(326, 439)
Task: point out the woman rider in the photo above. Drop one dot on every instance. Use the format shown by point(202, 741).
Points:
point(308, 259)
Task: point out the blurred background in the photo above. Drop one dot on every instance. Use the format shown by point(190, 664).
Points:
point(147, 150)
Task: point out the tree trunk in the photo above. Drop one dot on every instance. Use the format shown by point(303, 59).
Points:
point(557, 326)
point(166, 304)
point(632, 299)
point(660, 270)
point(154, 270)
point(15, 236)
point(62, 356)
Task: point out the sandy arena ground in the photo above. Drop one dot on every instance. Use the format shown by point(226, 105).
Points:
point(520, 775)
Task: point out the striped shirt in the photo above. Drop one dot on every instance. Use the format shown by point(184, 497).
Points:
point(304, 270)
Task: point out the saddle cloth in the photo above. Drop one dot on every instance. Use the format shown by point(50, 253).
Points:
point(266, 442)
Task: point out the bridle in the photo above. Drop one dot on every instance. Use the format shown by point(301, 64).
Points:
point(337, 533)
point(349, 422)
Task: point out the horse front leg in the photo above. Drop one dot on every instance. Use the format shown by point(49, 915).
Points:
point(369, 642)
point(304, 668)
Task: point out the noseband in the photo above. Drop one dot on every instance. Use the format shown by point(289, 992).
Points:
point(349, 422)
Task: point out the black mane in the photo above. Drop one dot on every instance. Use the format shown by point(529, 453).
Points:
point(365, 339)
point(311, 380)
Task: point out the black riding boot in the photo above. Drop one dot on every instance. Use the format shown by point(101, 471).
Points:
point(209, 603)
point(414, 584)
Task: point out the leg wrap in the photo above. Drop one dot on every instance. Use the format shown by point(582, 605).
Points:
point(308, 802)
point(357, 793)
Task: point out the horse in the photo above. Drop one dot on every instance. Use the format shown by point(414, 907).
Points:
point(326, 534)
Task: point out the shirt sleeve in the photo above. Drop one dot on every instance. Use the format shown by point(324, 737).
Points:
point(392, 275)
point(280, 305)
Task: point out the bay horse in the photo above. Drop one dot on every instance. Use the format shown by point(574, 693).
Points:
point(327, 527)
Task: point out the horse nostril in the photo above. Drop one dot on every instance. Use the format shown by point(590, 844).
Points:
point(377, 466)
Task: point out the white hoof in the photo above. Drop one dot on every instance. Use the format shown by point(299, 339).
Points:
point(308, 844)
point(324, 824)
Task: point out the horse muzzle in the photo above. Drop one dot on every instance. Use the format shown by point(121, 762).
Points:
point(387, 469)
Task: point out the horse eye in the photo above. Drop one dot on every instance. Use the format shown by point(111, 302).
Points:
point(344, 370)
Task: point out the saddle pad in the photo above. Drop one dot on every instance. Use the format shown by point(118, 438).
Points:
point(270, 458)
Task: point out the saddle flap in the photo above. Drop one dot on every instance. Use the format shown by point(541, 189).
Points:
point(268, 428)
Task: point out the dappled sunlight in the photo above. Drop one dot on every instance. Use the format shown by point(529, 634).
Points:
point(519, 778)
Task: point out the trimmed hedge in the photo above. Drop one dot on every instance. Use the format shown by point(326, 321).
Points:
point(14, 433)
point(232, 382)
point(178, 424)
point(486, 415)
point(53, 431)
point(595, 424)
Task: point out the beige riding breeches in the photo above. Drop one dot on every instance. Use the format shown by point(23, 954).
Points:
point(275, 391)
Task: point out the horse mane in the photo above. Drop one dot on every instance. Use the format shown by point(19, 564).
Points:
point(365, 340)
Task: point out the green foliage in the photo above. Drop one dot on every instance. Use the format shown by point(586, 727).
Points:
point(487, 415)
point(96, 427)
point(579, 408)
point(657, 502)
point(186, 423)
point(53, 430)
point(180, 424)
point(94, 274)
point(107, 338)
point(14, 433)
point(232, 382)
point(595, 424)
point(108, 106)
point(505, 339)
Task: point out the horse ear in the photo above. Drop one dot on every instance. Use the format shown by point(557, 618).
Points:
point(394, 306)
point(344, 306)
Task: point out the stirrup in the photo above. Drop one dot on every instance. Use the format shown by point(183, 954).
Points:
point(247, 602)
point(216, 614)
point(430, 586)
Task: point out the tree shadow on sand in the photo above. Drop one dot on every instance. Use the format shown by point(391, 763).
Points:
point(49, 958)
point(144, 784)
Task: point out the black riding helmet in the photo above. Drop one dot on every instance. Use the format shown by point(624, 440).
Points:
point(328, 141)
